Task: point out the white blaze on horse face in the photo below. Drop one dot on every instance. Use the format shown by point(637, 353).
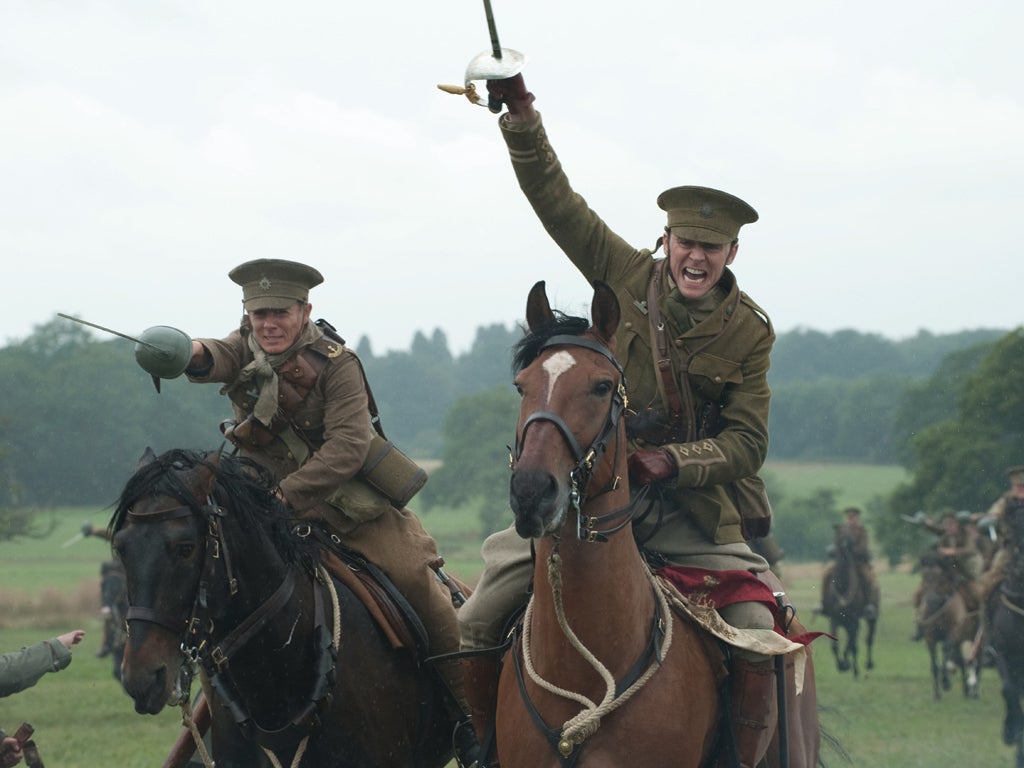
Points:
point(555, 366)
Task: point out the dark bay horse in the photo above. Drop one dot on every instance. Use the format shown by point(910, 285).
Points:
point(604, 672)
point(948, 628)
point(844, 600)
point(291, 661)
point(1005, 629)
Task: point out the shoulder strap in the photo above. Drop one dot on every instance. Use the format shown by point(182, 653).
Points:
point(331, 332)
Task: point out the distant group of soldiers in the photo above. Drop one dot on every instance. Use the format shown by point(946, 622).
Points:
point(971, 547)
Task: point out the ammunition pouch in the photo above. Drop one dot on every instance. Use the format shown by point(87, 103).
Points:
point(391, 472)
point(388, 479)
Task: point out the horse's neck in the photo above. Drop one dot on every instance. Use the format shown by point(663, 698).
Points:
point(601, 582)
point(261, 572)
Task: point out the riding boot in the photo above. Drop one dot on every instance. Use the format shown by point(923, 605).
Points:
point(754, 710)
point(467, 751)
point(481, 685)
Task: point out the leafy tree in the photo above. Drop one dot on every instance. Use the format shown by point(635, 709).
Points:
point(804, 525)
point(958, 463)
point(477, 433)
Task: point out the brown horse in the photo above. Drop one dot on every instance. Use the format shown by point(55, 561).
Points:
point(292, 662)
point(603, 668)
point(948, 628)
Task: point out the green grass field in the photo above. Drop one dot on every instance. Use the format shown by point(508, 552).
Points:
point(83, 719)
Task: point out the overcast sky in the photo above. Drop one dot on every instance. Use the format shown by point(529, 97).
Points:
point(146, 148)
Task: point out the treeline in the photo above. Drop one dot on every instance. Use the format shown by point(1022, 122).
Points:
point(77, 412)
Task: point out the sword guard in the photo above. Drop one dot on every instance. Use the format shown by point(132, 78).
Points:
point(487, 66)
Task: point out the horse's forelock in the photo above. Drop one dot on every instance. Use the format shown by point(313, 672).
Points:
point(243, 487)
point(164, 476)
point(529, 347)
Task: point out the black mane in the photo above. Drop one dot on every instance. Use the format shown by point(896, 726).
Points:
point(243, 488)
point(526, 349)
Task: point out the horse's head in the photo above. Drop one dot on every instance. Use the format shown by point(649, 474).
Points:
point(158, 537)
point(935, 573)
point(203, 540)
point(573, 395)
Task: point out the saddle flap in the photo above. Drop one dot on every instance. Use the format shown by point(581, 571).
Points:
point(389, 608)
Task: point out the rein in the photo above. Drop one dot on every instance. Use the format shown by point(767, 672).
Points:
point(587, 528)
point(577, 729)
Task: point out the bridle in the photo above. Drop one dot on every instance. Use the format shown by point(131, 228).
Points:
point(198, 645)
point(586, 459)
point(216, 549)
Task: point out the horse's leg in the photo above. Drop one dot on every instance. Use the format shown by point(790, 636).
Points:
point(948, 662)
point(1012, 730)
point(933, 656)
point(851, 647)
point(872, 623)
point(842, 664)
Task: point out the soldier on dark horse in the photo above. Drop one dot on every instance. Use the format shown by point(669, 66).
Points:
point(852, 540)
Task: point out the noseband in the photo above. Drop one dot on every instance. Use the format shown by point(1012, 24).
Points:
point(586, 460)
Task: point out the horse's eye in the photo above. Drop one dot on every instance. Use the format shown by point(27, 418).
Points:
point(184, 550)
point(603, 388)
point(518, 389)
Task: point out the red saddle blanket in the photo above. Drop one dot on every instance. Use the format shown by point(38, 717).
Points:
point(717, 589)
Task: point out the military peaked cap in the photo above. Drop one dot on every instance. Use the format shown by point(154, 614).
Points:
point(703, 214)
point(274, 283)
point(1016, 474)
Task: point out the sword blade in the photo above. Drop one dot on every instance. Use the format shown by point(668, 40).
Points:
point(495, 45)
point(73, 540)
point(111, 330)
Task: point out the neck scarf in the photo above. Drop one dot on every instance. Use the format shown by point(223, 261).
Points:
point(262, 372)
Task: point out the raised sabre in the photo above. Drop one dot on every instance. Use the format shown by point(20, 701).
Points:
point(163, 352)
point(496, 64)
point(154, 347)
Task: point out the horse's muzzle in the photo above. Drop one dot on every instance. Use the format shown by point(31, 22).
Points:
point(538, 501)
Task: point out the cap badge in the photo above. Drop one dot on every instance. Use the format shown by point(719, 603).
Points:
point(706, 211)
point(265, 283)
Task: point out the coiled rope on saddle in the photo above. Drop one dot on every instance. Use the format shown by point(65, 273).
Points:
point(577, 729)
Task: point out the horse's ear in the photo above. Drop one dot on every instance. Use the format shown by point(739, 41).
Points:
point(147, 457)
point(538, 310)
point(605, 312)
point(203, 478)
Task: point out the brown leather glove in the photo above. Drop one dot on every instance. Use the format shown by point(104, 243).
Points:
point(651, 466)
point(511, 92)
